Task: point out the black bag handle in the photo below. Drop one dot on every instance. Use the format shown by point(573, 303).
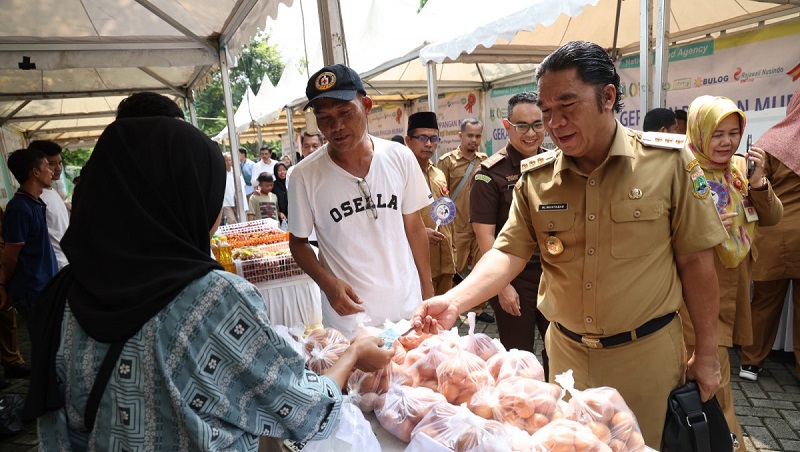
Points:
point(696, 419)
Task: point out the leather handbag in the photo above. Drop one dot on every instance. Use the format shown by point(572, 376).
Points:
point(695, 426)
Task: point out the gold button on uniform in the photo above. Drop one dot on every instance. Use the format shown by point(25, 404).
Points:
point(637, 213)
point(589, 319)
point(591, 217)
point(592, 182)
point(590, 251)
point(588, 286)
point(550, 226)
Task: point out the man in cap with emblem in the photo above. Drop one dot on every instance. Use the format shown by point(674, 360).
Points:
point(422, 138)
point(362, 194)
point(626, 234)
point(490, 201)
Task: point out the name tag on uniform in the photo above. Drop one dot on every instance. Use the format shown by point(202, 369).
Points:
point(557, 206)
point(749, 211)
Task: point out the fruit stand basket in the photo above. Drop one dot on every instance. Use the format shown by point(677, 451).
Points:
point(266, 263)
point(253, 233)
point(260, 251)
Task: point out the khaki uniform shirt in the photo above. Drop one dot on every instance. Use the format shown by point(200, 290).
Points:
point(454, 166)
point(493, 190)
point(621, 227)
point(442, 256)
point(779, 245)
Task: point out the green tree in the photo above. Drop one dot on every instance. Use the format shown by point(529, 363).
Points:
point(258, 60)
point(76, 157)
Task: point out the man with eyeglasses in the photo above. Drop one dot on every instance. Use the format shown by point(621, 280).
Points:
point(362, 194)
point(423, 139)
point(490, 201)
point(626, 229)
point(458, 167)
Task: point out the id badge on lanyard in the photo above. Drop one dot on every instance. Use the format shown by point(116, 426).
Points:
point(749, 211)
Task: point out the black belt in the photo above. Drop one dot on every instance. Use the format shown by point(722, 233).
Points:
point(618, 339)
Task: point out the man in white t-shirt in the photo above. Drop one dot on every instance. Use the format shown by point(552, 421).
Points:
point(363, 195)
point(229, 201)
point(265, 165)
point(56, 212)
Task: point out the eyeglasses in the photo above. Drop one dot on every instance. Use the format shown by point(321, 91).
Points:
point(523, 127)
point(363, 187)
point(424, 138)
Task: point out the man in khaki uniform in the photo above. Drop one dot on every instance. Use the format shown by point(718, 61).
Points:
point(626, 230)
point(422, 138)
point(454, 165)
point(458, 167)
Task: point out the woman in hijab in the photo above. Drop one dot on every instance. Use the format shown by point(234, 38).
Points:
point(144, 343)
point(779, 245)
point(714, 130)
point(279, 188)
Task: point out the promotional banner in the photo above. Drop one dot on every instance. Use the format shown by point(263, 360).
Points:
point(387, 121)
point(494, 134)
point(452, 108)
point(758, 70)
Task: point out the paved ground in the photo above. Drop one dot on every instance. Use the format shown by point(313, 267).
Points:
point(767, 409)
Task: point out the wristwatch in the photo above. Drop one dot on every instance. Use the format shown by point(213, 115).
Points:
point(763, 184)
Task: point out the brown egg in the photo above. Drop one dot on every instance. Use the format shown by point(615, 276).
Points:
point(622, 425)
point(617, 446)
point(601, 431)
point(535, 422)
point(598, 410)
point(450, 391)
point(635, 442)
point(523, 408)
point(545, 405)
point(467, 441)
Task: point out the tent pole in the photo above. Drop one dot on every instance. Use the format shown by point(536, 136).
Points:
point(614, 51)
point(432, 97)
point(290, 126)
point(645, 28)
point(332, 32)
point(258, 132)
point(192, 111)
point(662, 54)
point(234, 139)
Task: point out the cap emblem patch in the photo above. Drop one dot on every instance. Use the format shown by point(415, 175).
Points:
point(325, 81)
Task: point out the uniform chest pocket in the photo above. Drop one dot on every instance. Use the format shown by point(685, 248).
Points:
point(636, 227)
point(559, 227)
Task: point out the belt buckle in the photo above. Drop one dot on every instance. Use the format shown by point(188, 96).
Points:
point(591, 342)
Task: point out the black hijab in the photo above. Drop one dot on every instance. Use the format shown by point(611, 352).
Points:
point(139, 234)
point(279, 188)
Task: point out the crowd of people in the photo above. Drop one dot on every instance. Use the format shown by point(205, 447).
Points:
point(631, 257)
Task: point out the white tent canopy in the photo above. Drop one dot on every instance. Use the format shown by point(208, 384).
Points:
point(66, 64)
point(523, 37)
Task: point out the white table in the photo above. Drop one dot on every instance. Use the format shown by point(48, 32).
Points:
point(292, 302)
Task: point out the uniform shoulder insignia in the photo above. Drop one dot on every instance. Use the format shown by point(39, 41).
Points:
point(491, 161)
point(538, 161)
point(661, 140)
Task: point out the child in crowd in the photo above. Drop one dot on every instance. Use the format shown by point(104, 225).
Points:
point(264, 204)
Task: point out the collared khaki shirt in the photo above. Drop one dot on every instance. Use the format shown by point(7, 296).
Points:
point(621, 227)
point(454, 166)
point(443, 256)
